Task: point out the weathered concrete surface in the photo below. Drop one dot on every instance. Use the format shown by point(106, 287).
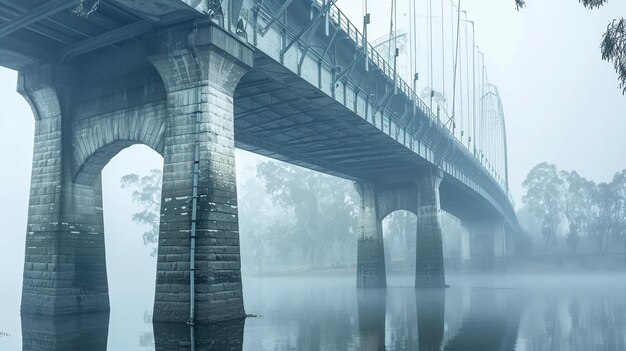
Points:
point(200, 69)
point(429, 270)
point(370, 251)
point(402, 198)
point(84, 116)
point(64, 269)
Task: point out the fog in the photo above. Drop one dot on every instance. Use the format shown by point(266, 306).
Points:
point(562, 106)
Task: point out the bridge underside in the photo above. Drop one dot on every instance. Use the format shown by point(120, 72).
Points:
point(279, 115)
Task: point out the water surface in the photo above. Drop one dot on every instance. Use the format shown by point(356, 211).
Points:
point(477, 313)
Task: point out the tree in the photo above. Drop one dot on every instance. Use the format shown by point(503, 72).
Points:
point(595, 212)
point(579, 206)
point(613, 44)
point(322, 208)
point(256, 214)
point(573, 237)
point(147, 193)
point(610, 217)
point(619, 218)
point(544, 198)
point(400, 234)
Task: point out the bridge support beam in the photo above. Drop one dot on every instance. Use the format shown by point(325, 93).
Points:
point(370, 252)
point(486, 245)
point(64, 269)
point(200, 69)
point(429, 270)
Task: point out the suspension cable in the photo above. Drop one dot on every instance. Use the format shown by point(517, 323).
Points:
point(467, 79)
point(411, 48)
point(443, 54)
point(391, 24)
point(414, 21)
point(430, 32)
point(456, 59)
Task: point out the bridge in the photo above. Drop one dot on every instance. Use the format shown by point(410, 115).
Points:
point(294, 80)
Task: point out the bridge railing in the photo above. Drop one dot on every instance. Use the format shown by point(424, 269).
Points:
point(353, 32)
point(341, 21)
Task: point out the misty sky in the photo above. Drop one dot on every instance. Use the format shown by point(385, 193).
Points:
point(561, 100)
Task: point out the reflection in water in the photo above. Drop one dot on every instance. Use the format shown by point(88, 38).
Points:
point(595, 322)
point(492, 322)
point(302, 313)
point(372, 307)
point(328, 313)
point(80, 332)
point(431, 304)
point(146, 340)
point(216, 336)
point(401, 333)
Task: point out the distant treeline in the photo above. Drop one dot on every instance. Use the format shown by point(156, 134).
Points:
point(564, 207)
point(290, 217)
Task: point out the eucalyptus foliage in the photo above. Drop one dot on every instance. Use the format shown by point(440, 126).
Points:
point(322, 208)
point(544, 189)
point(146, 191)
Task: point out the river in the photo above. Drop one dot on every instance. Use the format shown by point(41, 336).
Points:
point(522, 312)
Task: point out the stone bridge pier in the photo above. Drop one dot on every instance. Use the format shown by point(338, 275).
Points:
point(370, 251)
point(200, 69)
point(173, 93)
point(64, 269)
point(420, 197)
point(486, 245)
